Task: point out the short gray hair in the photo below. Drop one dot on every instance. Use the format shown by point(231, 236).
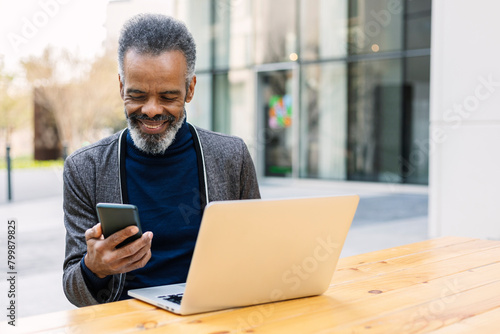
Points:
point(154, 34)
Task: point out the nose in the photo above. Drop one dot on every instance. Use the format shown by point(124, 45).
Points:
point(152, 108)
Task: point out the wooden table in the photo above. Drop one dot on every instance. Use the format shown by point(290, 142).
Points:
point(446, 285)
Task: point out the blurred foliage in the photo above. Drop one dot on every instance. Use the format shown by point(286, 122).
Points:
point(83, 95)
point(15, 106)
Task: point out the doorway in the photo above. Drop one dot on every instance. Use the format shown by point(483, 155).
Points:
point(277, 114)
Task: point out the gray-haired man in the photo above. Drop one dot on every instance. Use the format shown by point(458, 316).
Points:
point(168, 168)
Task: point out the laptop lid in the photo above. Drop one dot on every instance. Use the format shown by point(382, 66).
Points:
point(258, 251)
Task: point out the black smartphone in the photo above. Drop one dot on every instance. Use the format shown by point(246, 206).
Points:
point(115, 217)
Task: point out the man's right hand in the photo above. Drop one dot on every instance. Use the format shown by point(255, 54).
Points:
point(104, 259)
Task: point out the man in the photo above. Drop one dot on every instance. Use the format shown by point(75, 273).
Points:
point(160, 163)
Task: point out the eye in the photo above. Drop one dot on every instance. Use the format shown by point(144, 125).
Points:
point(137, 97)
point(168, 99)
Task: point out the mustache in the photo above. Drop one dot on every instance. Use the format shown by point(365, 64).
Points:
point(156, 118)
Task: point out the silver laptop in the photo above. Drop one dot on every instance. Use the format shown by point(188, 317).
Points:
point(258, 251)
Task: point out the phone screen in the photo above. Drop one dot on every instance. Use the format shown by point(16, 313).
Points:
point(115, 217)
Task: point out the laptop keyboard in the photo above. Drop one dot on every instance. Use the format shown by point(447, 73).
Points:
point(173, 298)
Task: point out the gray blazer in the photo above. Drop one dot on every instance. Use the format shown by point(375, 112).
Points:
point(92, 175)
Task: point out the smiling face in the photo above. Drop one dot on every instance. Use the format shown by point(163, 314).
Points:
point(154, 91)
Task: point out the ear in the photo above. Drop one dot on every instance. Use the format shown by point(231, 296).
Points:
point(190, 92)
point(121, 87)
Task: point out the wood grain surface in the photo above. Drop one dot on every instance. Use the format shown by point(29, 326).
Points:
point(445, 285)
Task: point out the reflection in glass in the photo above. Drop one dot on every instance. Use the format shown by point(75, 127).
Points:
point(242, 106)
point(323, 29)
point(375, 120)
point(232, 33)
point(196, 15)
point(275, 104)
point(275, 31)
point(324, 121)
point(418, 24)
point(363, 101)
point(415, 162)
point(375, 22)
point(222, 100)
point(234, 104)
point(199, 110)
point(418, 7)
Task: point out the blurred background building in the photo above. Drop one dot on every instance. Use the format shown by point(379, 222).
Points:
point(331, 90)
point(321, 89)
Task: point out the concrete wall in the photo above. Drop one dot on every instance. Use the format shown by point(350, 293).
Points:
point(464, 181)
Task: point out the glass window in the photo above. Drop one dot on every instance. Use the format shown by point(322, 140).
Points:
point(375, 26)
point(415, 157)
point(275, 31)
point(233, 34)
point(196, 15)
point(323, 121)
point(418, 24)
point(375, 120)
point(199, 110)
point(222, 114)
point(358, 116)
point(276, 109)
point(234, 106)
point(323, 30)
point(418, 7)
point(221, 33)
point(242, 104)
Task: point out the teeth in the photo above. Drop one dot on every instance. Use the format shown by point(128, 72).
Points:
point(152, 126)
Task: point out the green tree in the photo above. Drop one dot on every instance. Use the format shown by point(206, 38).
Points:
point(15, 108)
point(83, 95)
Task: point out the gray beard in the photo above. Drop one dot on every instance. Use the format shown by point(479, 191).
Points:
point(155, 144)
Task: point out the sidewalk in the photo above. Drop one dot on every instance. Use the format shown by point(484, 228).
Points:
point(387, 216)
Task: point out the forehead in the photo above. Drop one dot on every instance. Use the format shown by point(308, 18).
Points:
point(166, 66)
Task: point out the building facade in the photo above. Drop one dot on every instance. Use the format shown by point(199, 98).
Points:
point(464, 183)
point(322, 89)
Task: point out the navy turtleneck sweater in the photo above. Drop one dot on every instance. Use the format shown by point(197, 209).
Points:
point(165, 189)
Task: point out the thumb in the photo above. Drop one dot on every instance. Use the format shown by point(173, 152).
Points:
point(94, 232)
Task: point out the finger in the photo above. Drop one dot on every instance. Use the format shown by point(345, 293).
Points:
point(139, 249)
point(141, 262)
point(136, 248)
point(144, 260)
point(132, 253)
point(135, 261)
point(93, 232)
point(128, 257)
point(98, 229)
point(122, 235)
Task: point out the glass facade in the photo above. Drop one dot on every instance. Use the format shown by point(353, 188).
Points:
point(275, 105)
point(324, 89)
point(275, 30)
point(375, 26)
point(323, 127)
point(323, 29)
point(374, 119)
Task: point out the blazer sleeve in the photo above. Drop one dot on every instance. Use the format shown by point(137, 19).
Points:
point(80, 215)
point(249, 187)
